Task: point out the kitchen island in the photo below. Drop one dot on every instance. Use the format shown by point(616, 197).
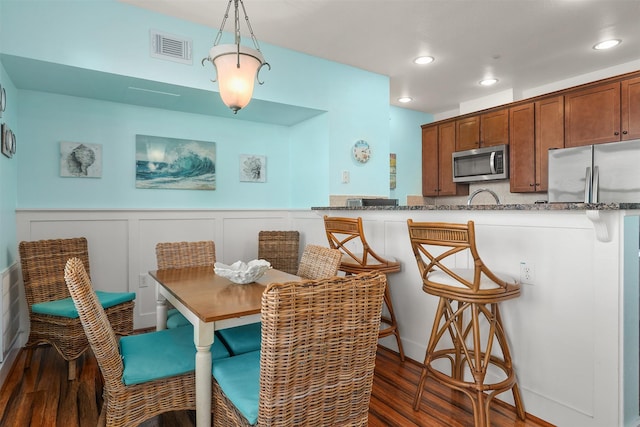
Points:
point(573, 331)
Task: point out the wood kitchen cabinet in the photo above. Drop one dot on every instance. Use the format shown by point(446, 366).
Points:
point(630, 109)
point(535, 128)
point(483, 130)
point(604, 113)
point(592, 115)
point(438, 144)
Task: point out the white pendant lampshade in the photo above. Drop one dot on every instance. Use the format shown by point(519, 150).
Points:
point(236, 73)
point(237, 66)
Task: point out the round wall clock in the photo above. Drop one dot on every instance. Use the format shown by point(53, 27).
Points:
point(361, 151)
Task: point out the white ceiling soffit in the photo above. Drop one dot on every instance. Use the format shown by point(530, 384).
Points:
point(523, 43)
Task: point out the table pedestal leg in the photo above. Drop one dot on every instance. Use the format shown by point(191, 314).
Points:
point(161, 313)
point(203, 338)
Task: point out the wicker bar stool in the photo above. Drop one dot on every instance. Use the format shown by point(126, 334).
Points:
point(280, 248)
point(347, 235)
point(467, 321)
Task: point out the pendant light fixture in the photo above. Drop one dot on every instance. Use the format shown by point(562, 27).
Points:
point(237, 67)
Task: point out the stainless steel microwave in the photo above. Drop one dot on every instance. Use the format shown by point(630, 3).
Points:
point(481, 164)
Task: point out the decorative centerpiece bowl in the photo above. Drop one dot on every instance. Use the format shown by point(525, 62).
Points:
point(241, 272)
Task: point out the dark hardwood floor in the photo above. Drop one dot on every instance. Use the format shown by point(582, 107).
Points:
point(42, 396)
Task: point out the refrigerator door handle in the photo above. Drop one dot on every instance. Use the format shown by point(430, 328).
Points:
point(594, 186)
point(587, 185)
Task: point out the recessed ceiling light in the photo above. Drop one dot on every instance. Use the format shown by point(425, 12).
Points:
point(488, 82)
point(405, 99)
point(607, 44)
point(421, 60)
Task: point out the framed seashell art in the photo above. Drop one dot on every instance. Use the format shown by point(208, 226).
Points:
point(8, 141)
point(80, 160)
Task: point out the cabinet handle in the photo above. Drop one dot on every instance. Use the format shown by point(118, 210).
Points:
point(624, 132)
point(532, 185)
point(616, 133)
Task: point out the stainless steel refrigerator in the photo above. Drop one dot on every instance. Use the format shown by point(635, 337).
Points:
point(600, 173)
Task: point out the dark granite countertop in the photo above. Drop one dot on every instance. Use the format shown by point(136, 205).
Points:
point(508, 207)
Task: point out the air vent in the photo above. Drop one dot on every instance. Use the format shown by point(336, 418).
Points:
point(170, 47)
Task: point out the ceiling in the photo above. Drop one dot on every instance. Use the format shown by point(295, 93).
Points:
point(523, 43)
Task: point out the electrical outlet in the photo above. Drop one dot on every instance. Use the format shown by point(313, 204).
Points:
point(143, 281)
point(527, 273)
point(345, 177)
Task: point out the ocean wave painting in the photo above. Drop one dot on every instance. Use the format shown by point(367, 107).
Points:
point(171, 163)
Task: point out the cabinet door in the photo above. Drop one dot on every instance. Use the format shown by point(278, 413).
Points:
point(631, 109)
point(467, 133)
point(592, 116)
point(522, 172)
point(446, 147)
point(494, 128)
point(549, 135)
point(430, 161)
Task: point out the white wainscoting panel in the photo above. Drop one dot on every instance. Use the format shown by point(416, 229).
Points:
point(564, 330)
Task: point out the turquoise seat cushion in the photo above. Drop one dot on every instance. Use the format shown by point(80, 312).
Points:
point(242, 339)
point(175, 319)
point(162, 354)
point(66, 308)
point(239, 379)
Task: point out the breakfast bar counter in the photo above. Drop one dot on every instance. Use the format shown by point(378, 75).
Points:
point(573, 331)
point(494, 207)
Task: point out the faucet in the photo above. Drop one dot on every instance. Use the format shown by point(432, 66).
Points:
point(480, 190)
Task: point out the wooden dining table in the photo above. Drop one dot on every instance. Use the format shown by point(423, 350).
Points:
point(207, 300)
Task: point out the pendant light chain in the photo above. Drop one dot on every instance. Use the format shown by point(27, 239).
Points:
point(254, 39)
point(224, 22)
point(246, 18)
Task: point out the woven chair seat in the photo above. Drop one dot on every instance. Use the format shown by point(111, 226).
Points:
point(239, 378)
point(162, 354)
point(66, 308)
point(175, 319)
point(440, 278)
point(242, 339)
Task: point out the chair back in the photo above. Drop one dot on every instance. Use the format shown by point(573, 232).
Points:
point(318, 262)
point(280, 248)
point(319, 342)
point(43, 263)
point(185, 254)
point(96, 325)
point(436, 244)
point(347, 235)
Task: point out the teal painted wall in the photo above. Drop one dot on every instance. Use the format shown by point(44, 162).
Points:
point(47, 119)
point(8, 176)
point(406, 143)
point(304, 161)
